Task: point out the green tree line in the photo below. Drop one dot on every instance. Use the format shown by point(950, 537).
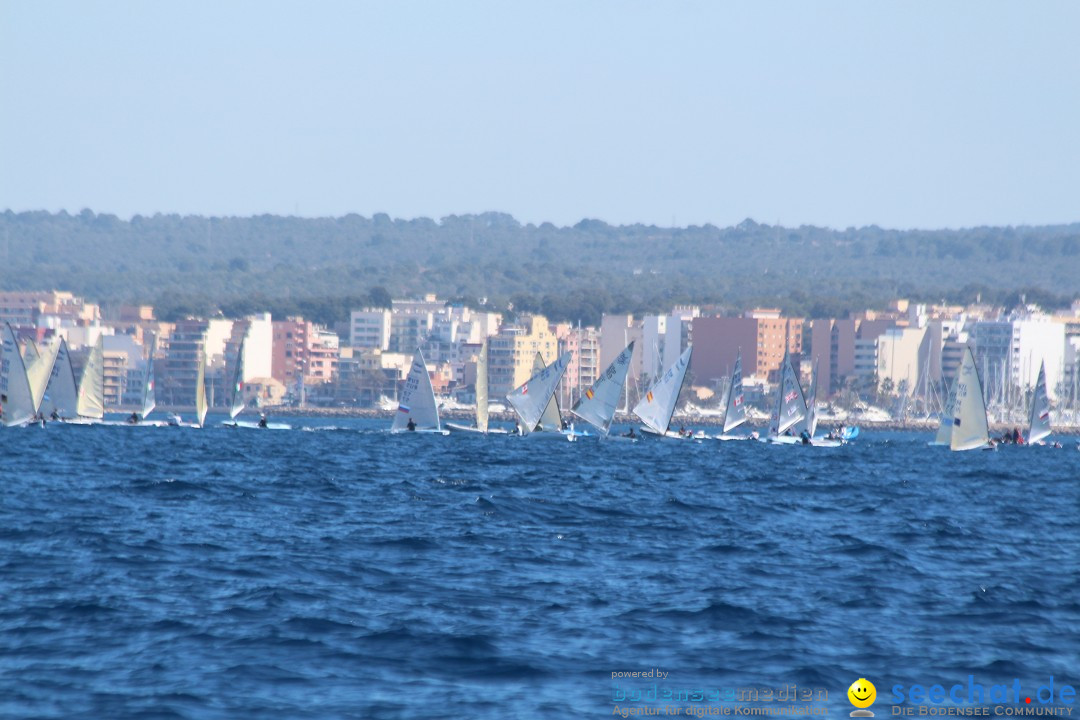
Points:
point(323, 267)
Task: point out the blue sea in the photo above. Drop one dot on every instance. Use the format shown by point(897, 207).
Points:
point(336, 571)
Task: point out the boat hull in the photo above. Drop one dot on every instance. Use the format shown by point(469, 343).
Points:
point(254, 425)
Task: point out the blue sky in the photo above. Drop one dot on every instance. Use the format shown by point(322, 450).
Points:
point(901, 114)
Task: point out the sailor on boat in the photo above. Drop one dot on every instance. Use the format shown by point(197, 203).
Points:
point(411, 427)
point(262, 420)
point(133, 419)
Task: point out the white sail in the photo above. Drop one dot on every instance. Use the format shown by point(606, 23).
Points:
point(597, 405)
point(944, 431)
point(1039, 427)
point(200, 394)
point(970, 429)
point(237, 404)
point(809, 423)
point(39, 362)
point(790, 402)
point(551, 420)
point(482, 389)
point(532, 398)
point(30, 353)
point(735, 413)
point(149, 398)
point(18, 399)
point(91, 401)
point(658, 405)
point(61, 395)
point(417, 400)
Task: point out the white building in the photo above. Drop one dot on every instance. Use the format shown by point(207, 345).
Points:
point(902, 358)
point(369, 329)
point(1009, 352)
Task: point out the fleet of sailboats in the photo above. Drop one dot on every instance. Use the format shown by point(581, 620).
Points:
point(38, 384)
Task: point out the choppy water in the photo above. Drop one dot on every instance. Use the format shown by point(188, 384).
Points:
point(349, 573)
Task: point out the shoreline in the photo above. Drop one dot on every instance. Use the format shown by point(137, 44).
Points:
point(620, 419)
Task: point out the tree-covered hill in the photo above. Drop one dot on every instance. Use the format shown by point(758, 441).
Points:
point(322, 267)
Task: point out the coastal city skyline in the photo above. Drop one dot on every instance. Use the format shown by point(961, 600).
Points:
point(903, 357)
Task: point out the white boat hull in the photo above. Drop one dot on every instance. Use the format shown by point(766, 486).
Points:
point(420, 431)
point(454, 427)
point(669, 435)
point(255, 425)
point(782, 440)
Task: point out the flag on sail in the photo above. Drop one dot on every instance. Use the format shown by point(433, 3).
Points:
point(735, 413)
point(597, 405)
point(531, 407)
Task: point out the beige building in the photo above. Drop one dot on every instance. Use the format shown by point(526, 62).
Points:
point(49, 309)
point(511, 353)
point(584, 367)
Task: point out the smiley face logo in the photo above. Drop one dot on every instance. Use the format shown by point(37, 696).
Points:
point(862, 694)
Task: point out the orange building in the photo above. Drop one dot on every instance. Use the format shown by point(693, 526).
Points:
point(762, 335)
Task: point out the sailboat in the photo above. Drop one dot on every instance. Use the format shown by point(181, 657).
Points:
point(945, 425)
point(149, 397)
point(18, 398)
point(790, 404)
point(149, 400)
point(970, 428)
point(90, 406)
point(551, 419)
point(60, 400)
point(810, 422)
point(1039, 427)
point(531, 399)
point(481, 399)
point(735, 408)
point(38, 362)
point(200, 395)
point(658, 405)
point(597, 405)
point(237, 404)
point(416, 404)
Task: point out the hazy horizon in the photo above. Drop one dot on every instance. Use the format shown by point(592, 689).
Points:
point(835, 115)
point(438, 220)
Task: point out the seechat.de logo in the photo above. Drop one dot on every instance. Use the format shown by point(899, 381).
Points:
point(862, 694)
